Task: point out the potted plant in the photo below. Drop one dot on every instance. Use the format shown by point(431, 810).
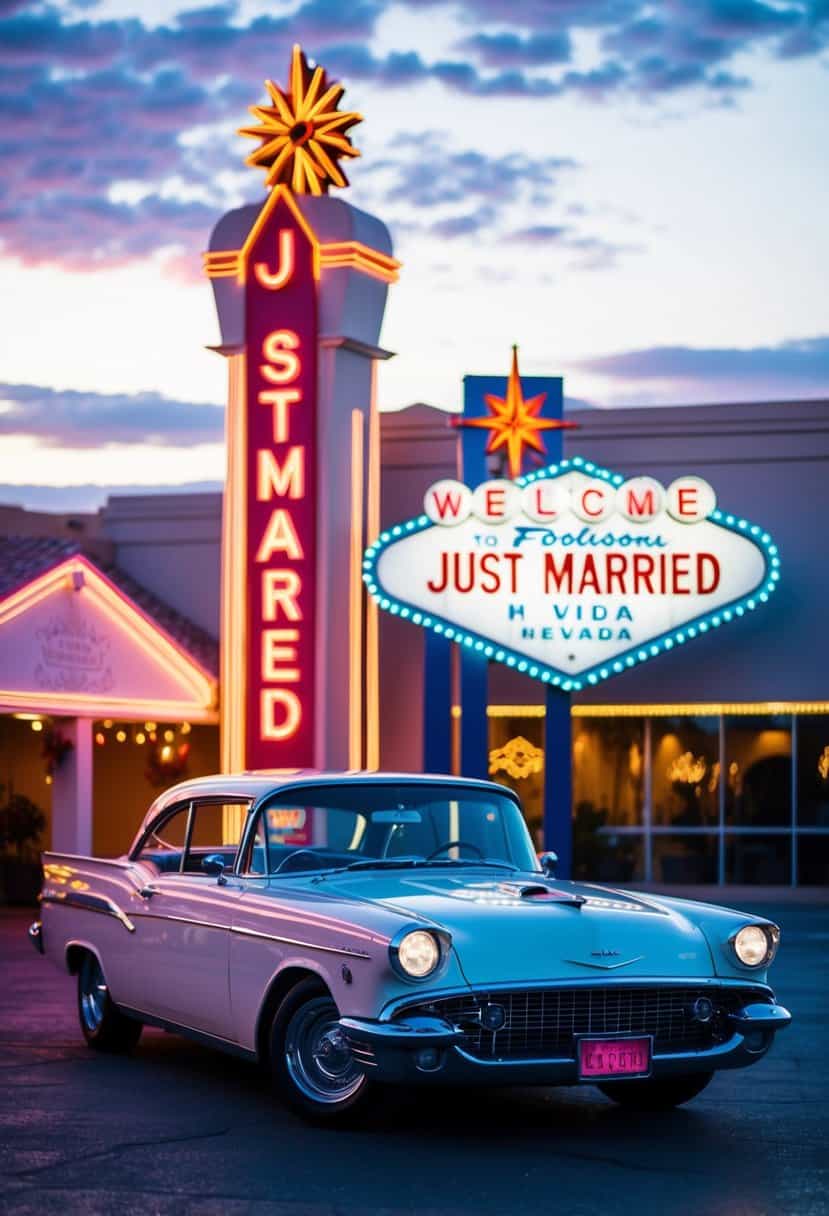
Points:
point(21, 824)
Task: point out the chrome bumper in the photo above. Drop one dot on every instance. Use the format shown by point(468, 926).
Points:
point(422, 1049)
point(35, 932)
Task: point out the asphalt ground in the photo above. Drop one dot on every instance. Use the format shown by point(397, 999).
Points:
point(177, 1128)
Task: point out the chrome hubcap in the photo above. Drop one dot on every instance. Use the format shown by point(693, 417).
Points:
point(93, 994)
point(318, 1056)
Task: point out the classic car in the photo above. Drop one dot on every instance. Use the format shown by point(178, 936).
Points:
point(350, 929)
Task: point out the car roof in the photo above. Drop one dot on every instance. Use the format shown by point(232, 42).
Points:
point(256, 785)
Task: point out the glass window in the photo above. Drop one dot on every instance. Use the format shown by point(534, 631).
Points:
point(685, 858)
point(373, 822)
point(602, 855)
point(255, 864)
point(813, 770)
point(758, 770)
point(216, 828)
point(758, 858)
point(686, 771)
point(813, 860)
point(163, 848)
point(516, 760)
point(608, 771)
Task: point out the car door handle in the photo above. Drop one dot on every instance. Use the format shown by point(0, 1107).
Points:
point(147, 892)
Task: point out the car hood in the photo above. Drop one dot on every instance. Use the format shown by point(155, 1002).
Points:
point(527, 928)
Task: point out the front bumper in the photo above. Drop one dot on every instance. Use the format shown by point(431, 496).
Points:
point(423, 1049)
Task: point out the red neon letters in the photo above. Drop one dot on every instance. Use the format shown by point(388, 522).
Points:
point(280, 298)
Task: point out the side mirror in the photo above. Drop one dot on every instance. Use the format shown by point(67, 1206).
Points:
point(549, 861)
point(214, 863)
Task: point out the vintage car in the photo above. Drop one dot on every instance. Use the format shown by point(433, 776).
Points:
point(352, 929)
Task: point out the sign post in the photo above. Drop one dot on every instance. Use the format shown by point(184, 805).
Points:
point(558, 779)
point(505, 421)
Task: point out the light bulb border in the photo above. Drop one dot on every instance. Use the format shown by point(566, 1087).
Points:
point(535, 668)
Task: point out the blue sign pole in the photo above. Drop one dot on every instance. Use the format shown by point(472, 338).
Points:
point(558, 779)
point(478, 466)
point(437, 704)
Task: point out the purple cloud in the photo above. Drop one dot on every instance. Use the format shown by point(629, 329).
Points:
point(70, 419)
point(508, 49)
point(799, 367)
point(88, 103)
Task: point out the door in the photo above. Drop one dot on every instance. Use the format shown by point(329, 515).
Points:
point(186, 919)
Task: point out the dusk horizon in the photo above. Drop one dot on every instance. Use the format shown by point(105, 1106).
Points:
point(634, 196)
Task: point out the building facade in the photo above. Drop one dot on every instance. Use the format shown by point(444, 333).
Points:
point(708, 764)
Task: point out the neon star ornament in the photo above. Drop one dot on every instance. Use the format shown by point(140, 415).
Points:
point(303, 134)
point(514, 421)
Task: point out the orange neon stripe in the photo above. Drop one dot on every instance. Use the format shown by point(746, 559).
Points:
point(234, 575)
point(372, 610)
point(355, 595)
point(87, 705)
point(225, 263)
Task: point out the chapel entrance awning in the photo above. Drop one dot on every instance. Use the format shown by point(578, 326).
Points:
point(78, 639)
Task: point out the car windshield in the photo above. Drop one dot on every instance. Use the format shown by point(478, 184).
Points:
point(368, 825)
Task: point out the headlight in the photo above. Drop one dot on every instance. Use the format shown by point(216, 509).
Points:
point(755, 945)
point(417, 954)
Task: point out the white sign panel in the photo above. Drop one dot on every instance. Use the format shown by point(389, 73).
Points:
point(573, 574)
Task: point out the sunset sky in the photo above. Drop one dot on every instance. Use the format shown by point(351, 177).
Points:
point(635, 193)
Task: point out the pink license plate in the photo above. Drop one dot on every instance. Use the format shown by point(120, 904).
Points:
point(614, 1057)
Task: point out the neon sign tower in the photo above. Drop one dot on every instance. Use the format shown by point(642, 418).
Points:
point(300, 287)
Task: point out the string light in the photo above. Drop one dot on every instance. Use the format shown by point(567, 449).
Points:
point(121, 736)
point(37, 725)
point(185, 728)
point(140, 737)
point(169, 736)
point(100, 738)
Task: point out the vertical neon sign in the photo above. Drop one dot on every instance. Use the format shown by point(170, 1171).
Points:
point(281, 474)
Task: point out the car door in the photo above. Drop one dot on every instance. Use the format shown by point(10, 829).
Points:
point(186, 920)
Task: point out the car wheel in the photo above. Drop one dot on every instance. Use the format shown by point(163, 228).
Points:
point(653, 1094)
point(104, 1027)
point(311, 1063)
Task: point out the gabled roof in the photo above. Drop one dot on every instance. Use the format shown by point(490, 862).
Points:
point(24, 558)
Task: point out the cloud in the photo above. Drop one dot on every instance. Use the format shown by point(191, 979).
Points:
point(799, 358)
point(468, 224)
point(539, 234)
point(426, 171)
point(424, 186)
point(646, 49)
point(90, 496)
point(592, 252)
point(512, 50)
point(117, 134)
point(508, 49)
point(796, 368)
point(85, 420)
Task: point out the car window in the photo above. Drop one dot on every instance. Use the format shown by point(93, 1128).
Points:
point(163, 848)
point(255, 864)
point(216, 829)
point(332, 826)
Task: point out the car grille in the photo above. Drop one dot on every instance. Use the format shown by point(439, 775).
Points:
point(543, 1023)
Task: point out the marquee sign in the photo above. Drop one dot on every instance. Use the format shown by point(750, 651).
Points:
point(297, 282)
point(281, 374)
point(572, 574)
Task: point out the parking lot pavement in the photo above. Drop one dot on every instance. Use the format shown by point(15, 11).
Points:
point(178, 1129)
